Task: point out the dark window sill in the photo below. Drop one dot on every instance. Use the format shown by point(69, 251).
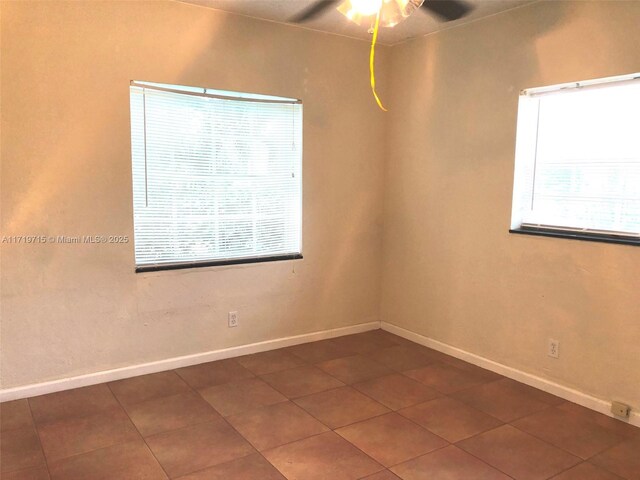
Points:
point(590, 237)
point(214, 263)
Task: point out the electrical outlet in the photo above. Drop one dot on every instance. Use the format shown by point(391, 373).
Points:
point(620, 409)
point(553, 348)
point(233, 319)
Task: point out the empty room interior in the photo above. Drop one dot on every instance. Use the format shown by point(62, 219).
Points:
point(320, 239)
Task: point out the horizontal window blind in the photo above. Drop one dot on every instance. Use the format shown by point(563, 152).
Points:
point(216, 177)
point(578, 159)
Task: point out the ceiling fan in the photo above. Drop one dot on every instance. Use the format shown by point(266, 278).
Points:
point(391, 12)
point(383, 13)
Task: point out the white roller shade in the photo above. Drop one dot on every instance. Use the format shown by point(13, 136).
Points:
point(216, 177)
point(578, 158)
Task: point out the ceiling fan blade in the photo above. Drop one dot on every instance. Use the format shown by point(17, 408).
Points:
point(447, 10)
point(313, 11)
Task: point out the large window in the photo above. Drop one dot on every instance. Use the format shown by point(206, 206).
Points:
point(578, 161)
point(217, 176)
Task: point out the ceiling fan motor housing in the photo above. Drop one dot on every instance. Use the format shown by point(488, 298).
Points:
point(392, 12)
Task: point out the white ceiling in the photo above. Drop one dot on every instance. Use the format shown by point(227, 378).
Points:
point(418, 24)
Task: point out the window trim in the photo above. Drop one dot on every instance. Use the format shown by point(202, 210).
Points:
point(576, 235)
point(157, 267)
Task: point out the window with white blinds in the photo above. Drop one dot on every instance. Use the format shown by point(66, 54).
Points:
point(578, 159)
point(217, 176)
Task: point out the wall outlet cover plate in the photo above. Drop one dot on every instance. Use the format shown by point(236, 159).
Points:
point(620, 409)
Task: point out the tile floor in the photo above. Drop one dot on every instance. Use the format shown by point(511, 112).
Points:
point(368, 406)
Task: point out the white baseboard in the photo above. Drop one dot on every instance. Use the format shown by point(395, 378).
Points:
point(35, 389)
point(540, 383)
point(549, 386)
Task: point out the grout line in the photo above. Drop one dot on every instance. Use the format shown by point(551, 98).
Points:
point(569, 468)
point(79, 417)
point(236, 430)
point(443, 395)
point(620, 439)
point(422, 454)
point(259, 452)
point(35, 427)
point(478, 458)
point(92, 451)
point(139, 432)
point(348, 424)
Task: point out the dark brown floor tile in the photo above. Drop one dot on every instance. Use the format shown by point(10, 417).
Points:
point(616, 426)
point(341, 406)
point(119, 462)
point(78, 402)
point(35, 473)
point(170, 413)
point(486, 375)
point(383, 475)
point(504, 399)
point(518, 454)
point(446, 378)
point(356, 368)
point(197, 447)
point(146, 387)
point(623, 459)
point(391, 438)
point(539, 395)
point(449, 463)
point(569, 432)
point(237, 397)
point(73, 436)
point(275, 425)
point(15, 414)
point(300, 381)
point(586, 471)
point(321, 457)
point(213, 373)
point(396, 391)
point(269, 362)
point(398, 340)
point(321, 351)
point(251, 467)
point(364, 342)
point(450, 419)
point(20, 449)
point(405, 357)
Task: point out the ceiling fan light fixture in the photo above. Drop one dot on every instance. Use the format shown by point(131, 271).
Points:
point(392, 12)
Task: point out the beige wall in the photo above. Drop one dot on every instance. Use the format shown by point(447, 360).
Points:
point(452, 271)
point(66, 170)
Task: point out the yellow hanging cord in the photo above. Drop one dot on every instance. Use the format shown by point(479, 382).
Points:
point(371, 61)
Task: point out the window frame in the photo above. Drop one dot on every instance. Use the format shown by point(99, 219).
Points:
point(244, 260)
point(526, 145)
